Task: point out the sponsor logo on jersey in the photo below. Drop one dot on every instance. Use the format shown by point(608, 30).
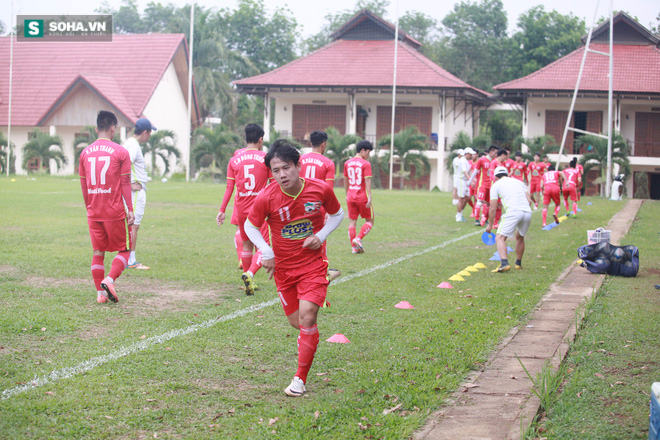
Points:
point(297, 230)
point(312, 207)
point(99, 191)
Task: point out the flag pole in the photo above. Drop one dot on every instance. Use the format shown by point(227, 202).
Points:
point(190, 78)
point(396, 52)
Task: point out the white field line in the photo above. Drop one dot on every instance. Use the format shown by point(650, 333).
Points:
point(87, 365)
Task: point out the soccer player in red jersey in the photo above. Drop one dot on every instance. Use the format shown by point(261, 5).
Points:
point(536, 170)
point(248, 172)
point(473, 184)
point(357, 182)
point(519, 170)
point(105, 179)
point(483, 184)
point(314, 165)
point(509, 163)
point(550, 183)
point(572, 181)
point(293, 208)
point(580, 168)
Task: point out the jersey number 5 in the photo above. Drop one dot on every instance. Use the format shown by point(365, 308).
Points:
point(106, 165)
point(250, 183)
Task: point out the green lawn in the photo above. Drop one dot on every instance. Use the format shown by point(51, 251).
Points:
point(222, 367)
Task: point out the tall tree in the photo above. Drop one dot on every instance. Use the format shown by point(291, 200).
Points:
point(424, 29)
point(596, 155)
point(44, 148)
point(161, 144)
point(408, 146)
point(80, 142)
point(543, 38)
point(338, 147)
point(3, 156)
point(476, 47)
point(214, 146)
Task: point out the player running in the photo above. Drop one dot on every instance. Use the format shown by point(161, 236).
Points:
point(357, 182)
point(105, 179)
point(550, 183)
point(536, 170)
point(249, 174)
point(483, 185)
point(572, 181)
point(292, 207)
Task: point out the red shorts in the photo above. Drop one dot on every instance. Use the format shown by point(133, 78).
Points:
point(307, 283)
point(535, 187)
point(473, 191)
point(234, 217)
point(570, 192)
point(483, 194)
point(110, 236)
point(265, 231)
point(551, 193)
point(360, 209)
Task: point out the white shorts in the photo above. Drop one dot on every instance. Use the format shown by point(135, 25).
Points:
point(139, 203)
point(513, 220)
point(463, 189)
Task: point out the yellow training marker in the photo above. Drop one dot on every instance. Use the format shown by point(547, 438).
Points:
point(464, 273)
point(456, 278)
point(480, 266)
point(471, 269)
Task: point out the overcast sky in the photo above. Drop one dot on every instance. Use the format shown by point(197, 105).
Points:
point(310, 14)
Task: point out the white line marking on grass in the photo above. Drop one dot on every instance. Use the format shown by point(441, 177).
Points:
point(85, 366)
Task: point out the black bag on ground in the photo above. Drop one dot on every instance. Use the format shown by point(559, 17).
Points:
point(613, 260)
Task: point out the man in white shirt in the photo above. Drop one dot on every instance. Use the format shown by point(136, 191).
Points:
point(141, 134)
point(463, 189)
point(517, 218)
point(457, 175)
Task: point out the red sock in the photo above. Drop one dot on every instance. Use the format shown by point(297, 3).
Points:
point(98, 271)
point(118, 264)
point(557, 209)
point(256, 263)
point(566, 204)
point(351, 234)
point(364, 230)
point(238, 242)
point(545, 215)
point(308, 340)
point(574, 208)
point(246, 259)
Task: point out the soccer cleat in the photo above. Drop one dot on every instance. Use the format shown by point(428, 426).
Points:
point(544, 225)
point(249, 283)
point(354, 250)
point(358, 245)
point(461, 220)
point(502, 269)
point(518, 266)
point(333, 274)
point(138, 265)
point(555, 217)
point(110, 289)
point(477, 222)
point(296, 388)
point(101, 298)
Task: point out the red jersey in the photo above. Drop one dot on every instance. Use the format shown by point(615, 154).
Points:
point(509, 164)
point(357, 170)
point(536, 170)
point(571, 176)
point(482, 166)
point(294, 218)
point(494, 164)
point(102, 166)
point(580, 168)
point(251, 175)
point(519, 171)
point(550, 179)
point(317, 166)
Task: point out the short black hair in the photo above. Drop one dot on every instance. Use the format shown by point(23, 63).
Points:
point(318, 137)
point(493, 147)
point(573, 162)
point(518, 153)
point(502, 152)
point(551, 167)
point(105, 120)
point(537, 154)
point(283, 150)
point(363, 145)
point(253, 132)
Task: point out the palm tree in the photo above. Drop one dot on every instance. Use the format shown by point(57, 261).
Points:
point(596, 155)
point(542, 145)
point(161, 144)
point(338, 147)
point(408, 146)
point(81, 141)
point(44, 148)
point(214, 146)
point(461, 142)
point(3, 156)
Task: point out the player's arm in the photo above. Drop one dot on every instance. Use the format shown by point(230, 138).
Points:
point(83, 183)
point(492, 210)
point(268, 256)
point(346, 181)
point(333, 221)
point(220, 218)
point(367, 189)
point(128, 197)
point(330, 174)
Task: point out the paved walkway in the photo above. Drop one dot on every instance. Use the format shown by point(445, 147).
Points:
point(496, 403)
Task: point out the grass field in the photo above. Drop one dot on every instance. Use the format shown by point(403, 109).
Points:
point(183, 354)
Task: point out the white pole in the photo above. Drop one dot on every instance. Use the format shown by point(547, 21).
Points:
point(396, 53)
point(11, 65)
point(608, 180)
point(190, 78)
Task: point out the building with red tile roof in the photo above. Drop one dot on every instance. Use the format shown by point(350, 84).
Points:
point(58, 87)
point(348, 85)
point(545, 96)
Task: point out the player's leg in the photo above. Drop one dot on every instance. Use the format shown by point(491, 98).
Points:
point(238, 244)
point(546, 205)
point(139, 204)
point(246, 259)
point(119, 240)
point(353, 214)
point(99, 241)
point(505, 230)
point(523, 226)
point(368, 215)
point(566, 193)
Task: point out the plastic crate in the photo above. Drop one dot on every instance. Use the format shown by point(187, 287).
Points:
point(597, 235)
point(654, 423)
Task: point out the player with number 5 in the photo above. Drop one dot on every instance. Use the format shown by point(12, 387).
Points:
point(357, 181)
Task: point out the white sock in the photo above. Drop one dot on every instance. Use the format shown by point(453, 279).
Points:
point(131, 258)
point(250, 273)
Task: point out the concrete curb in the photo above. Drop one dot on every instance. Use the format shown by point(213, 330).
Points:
point(497, 402)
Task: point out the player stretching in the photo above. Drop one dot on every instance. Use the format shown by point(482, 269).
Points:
point(246, 171)
point(572, 182)
point(536, 170)
point(294, 211)
point(550, 186)
point(357, 182)
point(105, 179)
point(483, 185)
